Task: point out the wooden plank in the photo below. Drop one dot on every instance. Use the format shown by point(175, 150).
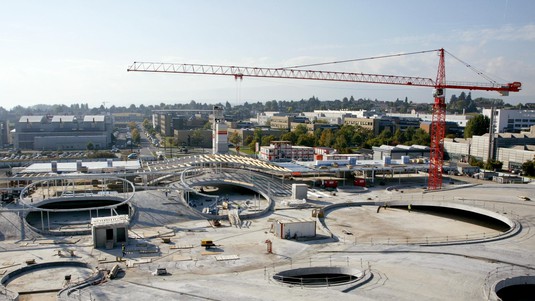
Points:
point(227, 257)
point(182, 247)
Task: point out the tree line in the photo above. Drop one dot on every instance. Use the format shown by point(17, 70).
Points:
point(345, 140)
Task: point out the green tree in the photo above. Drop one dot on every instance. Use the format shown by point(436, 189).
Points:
point(528, 168)
point(300, 129)
point(290, 136)
point(207, 126)
point(248, 140)
point(341, 145)
point(475, 162)
point(398, 137)
point(132, 125)
point(197, 137)
point(146, 124)
point(327, 138)
point(306, 140)
point(136, 137)
point(266, 140)
point(360, 136)
point(90, 146)
point(493, 165)
point(257, 135)
point(235, 138)
point(420, 137)
point(478, 125)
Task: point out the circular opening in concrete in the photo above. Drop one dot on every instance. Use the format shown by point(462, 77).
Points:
point(82, 203)
point(519, 288)
point(421, 224)
point(227, 197)
point(318, 276)
point(74, 214)
point(52, 276)
point(460, 215)
point(519, 292)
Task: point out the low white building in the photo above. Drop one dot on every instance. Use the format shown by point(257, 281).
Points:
point(109, 231)
point(297, 228)
point(282, 151)
point(299, 191)
point(513, 158)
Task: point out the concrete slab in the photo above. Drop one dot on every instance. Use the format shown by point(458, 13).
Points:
point(401, 271)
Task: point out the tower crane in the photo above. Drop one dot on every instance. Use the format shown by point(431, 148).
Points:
point(439, 85)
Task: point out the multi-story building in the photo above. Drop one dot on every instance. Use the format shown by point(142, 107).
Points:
point(335, 116)
point(4, 134)
point(394, 123)
point(169, 120)
point(283, 122)
point(264, 118)
point(512, 149)
point(367, 123)
point(194, 138)
point(311, 127)
point(511, 121)
point(282, 151)
point(249, 132)
point(460, 120)
point(122, 119)
point(45, 132)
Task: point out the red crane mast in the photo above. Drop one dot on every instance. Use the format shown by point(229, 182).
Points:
point(440, 85)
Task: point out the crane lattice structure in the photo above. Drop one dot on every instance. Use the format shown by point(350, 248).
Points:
point(440, 85)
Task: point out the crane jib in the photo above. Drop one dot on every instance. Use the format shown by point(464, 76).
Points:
point(240, 72)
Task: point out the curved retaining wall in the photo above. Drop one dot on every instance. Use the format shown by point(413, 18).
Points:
point(203, 182)
point(463, 207)
point(34, 207)
point(69, 232)
point(14, 274)
point(300, 273)
point(258, 214)
point(319, 270)
point(514, 226)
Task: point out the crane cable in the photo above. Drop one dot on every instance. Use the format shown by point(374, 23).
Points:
point(477, 71)
point(361, 59)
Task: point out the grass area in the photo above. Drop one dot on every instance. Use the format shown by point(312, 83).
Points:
point(246, 150)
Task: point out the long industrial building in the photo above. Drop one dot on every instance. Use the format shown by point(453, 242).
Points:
point(63, 132)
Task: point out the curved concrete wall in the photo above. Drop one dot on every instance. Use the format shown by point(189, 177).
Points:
point(117, 199)
point(319, 270)
point(14, 274)
point(514, 226)
point(132, 211)
point(215, 182)
point(481, 211)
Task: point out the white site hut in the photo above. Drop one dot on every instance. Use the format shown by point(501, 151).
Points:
point(299, 191)
point(295, 228)
point(109, 231)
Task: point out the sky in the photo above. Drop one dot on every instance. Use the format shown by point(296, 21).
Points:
point(65, 52)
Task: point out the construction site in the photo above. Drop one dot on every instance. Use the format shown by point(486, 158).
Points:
point(224, 227)
point(194, 232)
